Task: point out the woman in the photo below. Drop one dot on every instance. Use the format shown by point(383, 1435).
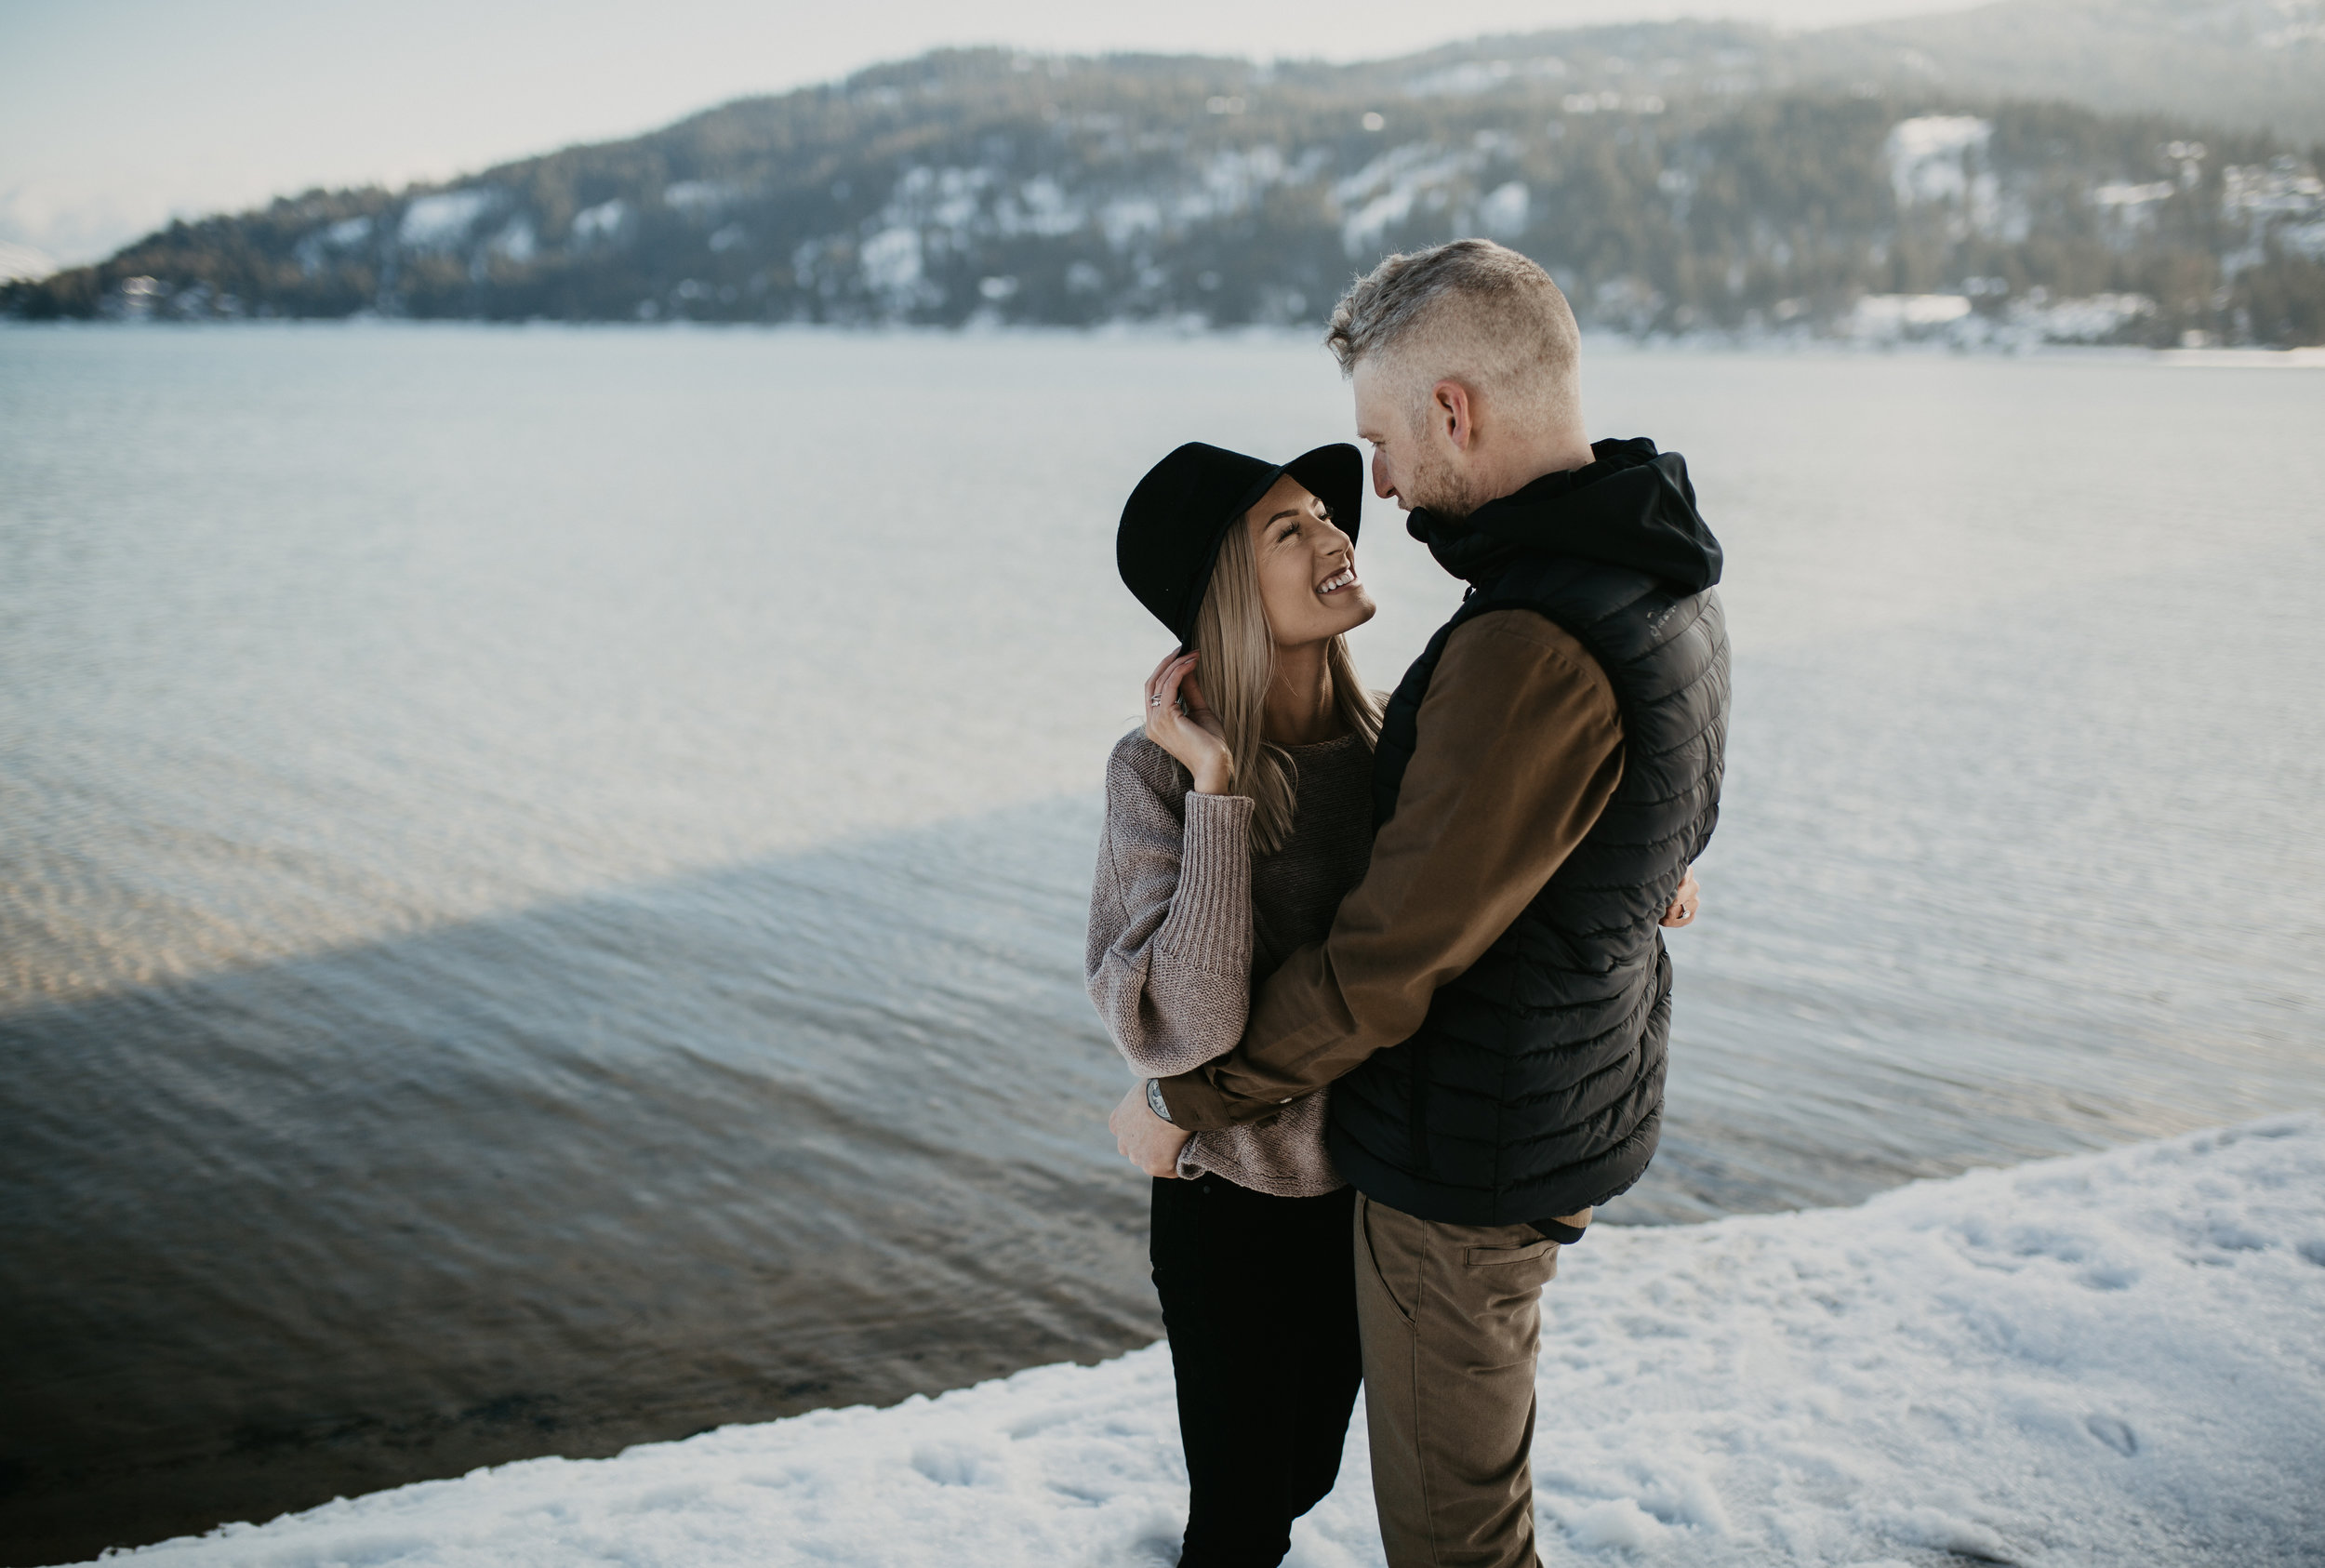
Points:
point(1236, 820)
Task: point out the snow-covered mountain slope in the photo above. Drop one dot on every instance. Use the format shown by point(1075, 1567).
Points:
point(1677, 178)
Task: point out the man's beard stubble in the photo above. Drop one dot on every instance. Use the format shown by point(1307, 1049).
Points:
point(1442, 490)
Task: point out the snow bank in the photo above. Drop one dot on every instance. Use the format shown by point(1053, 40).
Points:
point(2111, 1358)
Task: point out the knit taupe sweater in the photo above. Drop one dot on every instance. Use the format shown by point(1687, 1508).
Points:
point(1186, 920)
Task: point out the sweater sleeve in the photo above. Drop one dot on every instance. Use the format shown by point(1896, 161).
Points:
point(1169, 952)
point(1518, 749)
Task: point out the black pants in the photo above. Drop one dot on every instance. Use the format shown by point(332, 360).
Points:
point(1259, 1300)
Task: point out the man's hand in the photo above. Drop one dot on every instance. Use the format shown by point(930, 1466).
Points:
point(1145, 1139)
point(1685, 902)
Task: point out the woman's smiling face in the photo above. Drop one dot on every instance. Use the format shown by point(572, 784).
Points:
point(1307, 581)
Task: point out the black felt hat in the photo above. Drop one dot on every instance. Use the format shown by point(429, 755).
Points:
point(1174, 521)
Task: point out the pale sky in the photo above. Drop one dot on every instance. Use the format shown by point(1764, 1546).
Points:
point(117, 115)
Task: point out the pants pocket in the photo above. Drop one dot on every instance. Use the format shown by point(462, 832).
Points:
point(1370, 1258)
point(1525, 1268)
point(1529, 1252)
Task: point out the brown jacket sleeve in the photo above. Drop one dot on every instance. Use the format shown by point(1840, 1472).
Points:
point(1519, 750)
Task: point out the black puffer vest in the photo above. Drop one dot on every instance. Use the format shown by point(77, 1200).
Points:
point(1535, 1085)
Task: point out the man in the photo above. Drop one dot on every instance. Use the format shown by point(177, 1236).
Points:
point(1492, 1002)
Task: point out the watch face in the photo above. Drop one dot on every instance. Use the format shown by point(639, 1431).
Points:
point(1154, 1099)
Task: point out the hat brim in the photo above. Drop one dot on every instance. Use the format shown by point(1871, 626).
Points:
point(1334, 476)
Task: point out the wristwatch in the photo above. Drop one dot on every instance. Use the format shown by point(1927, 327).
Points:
point(1155, 1099)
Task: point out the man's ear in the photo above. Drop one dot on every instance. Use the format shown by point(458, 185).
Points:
point(1449, 407)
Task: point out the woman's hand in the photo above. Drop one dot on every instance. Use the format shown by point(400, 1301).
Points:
point(1685, 902)
point(1194, 735)
point(1144, 1138)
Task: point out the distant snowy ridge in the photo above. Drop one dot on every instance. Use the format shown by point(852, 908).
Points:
point(1680, 180)
point(23, 261)
point(2110, 1359)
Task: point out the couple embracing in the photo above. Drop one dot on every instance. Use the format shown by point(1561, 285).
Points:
point(1391, 971)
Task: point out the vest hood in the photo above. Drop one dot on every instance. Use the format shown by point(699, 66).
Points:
point(1631, 506)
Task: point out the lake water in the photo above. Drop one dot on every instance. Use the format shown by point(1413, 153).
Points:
point(542, 870)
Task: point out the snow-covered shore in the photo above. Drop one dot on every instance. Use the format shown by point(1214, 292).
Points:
point(2104, 1360)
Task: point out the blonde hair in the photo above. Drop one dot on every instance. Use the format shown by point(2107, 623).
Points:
point(1471, 310)
point(1239, 665)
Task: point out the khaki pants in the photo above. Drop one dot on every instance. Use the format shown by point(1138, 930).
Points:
point(1451, 1317)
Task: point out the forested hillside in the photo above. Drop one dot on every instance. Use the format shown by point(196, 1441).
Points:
point(1681, 178)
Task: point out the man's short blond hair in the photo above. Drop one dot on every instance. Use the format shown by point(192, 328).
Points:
point(1470, 310)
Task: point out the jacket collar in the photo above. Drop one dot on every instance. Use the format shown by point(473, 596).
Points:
point(1630, 506)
